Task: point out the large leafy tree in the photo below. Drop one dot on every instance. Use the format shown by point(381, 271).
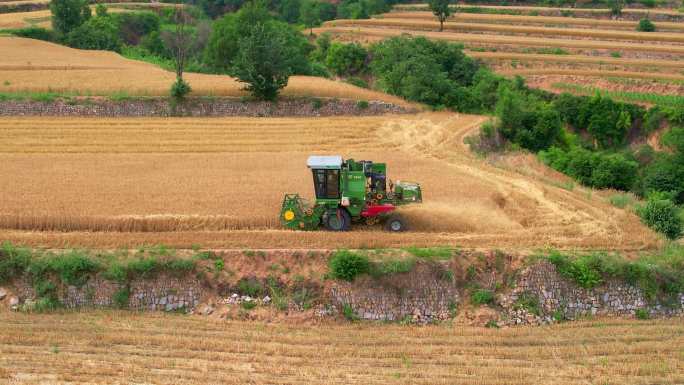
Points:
point(262, 62)
point(440, 8)
point(68, 15)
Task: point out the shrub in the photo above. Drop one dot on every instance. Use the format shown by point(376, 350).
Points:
point(645, 25)
point(248, 305)
point(362, 104)
point(347, 265)
point(250, 287)
point(180, 89)
point(133, 25)
point(35, 33)
point(68, 15)
point(528, 302)
point(73, 268)
point(13, 261)
point(642, 314)
point(348, 313)
point(482, 297)
point(98, 33)
point(121, 297)
point(346, 59)
point(662, 215)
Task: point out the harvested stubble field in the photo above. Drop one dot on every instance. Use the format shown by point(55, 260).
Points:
point(524, 20)
point(580, 33)
point(29, 65)
point(521, 41)
point(639, 11)
point(219, 182)
point(103, 346)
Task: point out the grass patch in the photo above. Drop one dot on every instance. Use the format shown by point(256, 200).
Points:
point(482, 297)
point(660, 276)
point(528, 302)
point(621, 200)
point(627, 96)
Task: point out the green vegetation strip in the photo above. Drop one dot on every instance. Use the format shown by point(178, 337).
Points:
point(660, 276)
point(639, 97)
point(46, 270)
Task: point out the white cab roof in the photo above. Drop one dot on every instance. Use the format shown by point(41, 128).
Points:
point(331, 161)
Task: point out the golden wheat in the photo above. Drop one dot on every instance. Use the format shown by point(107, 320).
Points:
point(97, 346)
point(35, 66)
point(522, 41)
point(413, 24)
point(597, 73)
point(577, 59)
point(658, 11)
point(522, 19)
point(220, 181)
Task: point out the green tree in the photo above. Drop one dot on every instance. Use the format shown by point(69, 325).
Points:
point(68, 15)
point(289, 10)
point(440, 8)
point(346, 59)
point(262, 62)
point(615, 7)
point(645, 25)
point(308, 14)
point(97, 33)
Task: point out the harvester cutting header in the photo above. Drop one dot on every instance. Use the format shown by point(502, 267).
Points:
point(349, 191)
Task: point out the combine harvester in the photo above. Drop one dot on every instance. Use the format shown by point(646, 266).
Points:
point(346, 192)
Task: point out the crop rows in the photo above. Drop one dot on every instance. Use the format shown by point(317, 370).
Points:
point(640, 11)
point(94, 347)
point(219, 182)
point(414, 24)
point(523, 41)
point(523, 19)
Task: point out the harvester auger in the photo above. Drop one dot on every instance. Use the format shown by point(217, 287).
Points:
point(346, 192)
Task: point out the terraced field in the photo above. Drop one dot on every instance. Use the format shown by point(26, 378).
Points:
point(96, 347)
point(36, 66)
point(547, 49)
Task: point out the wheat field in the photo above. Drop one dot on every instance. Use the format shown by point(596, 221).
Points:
point(219, 182)
point(36, 66)
point(656, 11)
point(524, 20)
point(415, 24)
point(521, 41)
point(103, 346)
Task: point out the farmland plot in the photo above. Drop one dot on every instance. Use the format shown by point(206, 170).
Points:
point(94, 347)
point(219, 182)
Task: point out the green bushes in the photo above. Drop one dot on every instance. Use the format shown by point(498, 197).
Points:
point(346, 59)
point(595, 169)
point(121, 297)
point(35, 33)
point(528, 302)
point(658, 276)
point(662, 215)
point(645, 25)
point(482, 297)
point(347, 265)
point(100, 33)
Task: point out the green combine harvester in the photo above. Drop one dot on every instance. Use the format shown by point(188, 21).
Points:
point(349, 192)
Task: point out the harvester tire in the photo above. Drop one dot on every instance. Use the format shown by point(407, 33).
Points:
point(396, 224)
point(339, 220)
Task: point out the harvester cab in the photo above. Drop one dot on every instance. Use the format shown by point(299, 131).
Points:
point(349, 191)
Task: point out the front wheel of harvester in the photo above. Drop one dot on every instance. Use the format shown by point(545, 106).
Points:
point(339, 220)
point(396, 224)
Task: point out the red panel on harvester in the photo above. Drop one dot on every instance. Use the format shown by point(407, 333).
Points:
point(373, 210)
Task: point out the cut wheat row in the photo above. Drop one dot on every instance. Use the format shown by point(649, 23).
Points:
point(513, 29)
point(168, 349)
point(523, 19)
point(597, 73)
point(660, 11)
point(363, 32)
point(524, 57)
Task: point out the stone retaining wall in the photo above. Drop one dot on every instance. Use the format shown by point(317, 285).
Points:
point(163, 292)
point(195, 107)
point(560, 296)
point(422, 295)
